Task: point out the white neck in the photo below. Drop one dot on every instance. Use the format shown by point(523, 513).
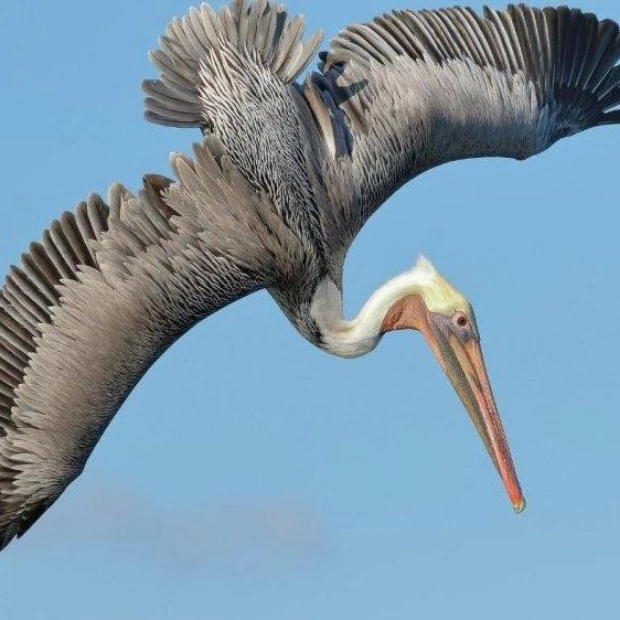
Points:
point(361, 334)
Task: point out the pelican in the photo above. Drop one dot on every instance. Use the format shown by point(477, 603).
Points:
point(287, 173)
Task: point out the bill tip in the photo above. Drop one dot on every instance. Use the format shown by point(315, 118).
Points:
point(519, 505)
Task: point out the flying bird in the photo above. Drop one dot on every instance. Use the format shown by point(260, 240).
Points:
point(287, 173)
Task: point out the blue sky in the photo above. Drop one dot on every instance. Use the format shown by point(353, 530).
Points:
point(252, 476)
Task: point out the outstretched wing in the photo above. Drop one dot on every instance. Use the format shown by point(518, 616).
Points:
point(108, 289)
point(420, 88)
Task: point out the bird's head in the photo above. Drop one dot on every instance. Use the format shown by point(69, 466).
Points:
point(421, 299)
point(428, 303)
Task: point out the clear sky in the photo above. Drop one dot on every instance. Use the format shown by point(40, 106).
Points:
point(252, 476)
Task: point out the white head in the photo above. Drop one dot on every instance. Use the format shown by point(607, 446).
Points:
point(381, 313)
point(439, 295)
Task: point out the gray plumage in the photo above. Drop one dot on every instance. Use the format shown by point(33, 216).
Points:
point(286, 176)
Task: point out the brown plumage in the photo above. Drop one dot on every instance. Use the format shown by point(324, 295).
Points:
point(288, 173)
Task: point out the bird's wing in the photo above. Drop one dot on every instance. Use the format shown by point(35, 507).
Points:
point(192, 46)
point(232, 73)
point(414, 89)
point(108, 289)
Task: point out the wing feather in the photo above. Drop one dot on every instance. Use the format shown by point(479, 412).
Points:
point(420, 88)
point(232, 73)
point(107, 291)
point(262, 28)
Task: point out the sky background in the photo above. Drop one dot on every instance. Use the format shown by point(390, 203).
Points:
point(252, 476)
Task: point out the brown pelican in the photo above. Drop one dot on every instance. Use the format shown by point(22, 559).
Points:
point(286, 176)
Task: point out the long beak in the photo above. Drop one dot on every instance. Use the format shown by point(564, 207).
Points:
point(464, 365)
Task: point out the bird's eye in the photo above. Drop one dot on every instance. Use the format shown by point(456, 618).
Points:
point(462, 320)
